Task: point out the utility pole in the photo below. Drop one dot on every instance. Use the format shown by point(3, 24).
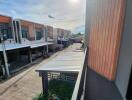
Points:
point(4, 55)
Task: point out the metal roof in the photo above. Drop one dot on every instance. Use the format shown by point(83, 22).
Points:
point(40, 44)
point(13, 46)
point(66, 62)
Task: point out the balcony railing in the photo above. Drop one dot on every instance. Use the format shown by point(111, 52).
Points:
point(79, 90)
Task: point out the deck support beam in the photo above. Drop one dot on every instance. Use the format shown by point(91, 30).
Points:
point(30, 55)
point(45, 82)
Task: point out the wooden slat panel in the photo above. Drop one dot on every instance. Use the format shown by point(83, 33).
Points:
point(105, 34)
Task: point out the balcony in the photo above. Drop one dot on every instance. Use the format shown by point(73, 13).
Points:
point(92, 86)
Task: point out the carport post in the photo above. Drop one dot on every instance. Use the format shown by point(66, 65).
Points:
point(45, 83)
point(53, 47)
point(30, 55)
point(5, 56)
point(43, 51)
point(47, 49)
point(6, 63)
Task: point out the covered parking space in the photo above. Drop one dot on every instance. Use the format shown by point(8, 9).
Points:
point(38, 50)
point(15, 57)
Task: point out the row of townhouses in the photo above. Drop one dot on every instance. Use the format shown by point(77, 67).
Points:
point(23, 43)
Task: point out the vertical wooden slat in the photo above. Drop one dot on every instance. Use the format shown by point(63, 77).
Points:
point(105, 35)
point(120, 29)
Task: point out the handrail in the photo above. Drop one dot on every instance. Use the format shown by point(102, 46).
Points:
point(78, 82)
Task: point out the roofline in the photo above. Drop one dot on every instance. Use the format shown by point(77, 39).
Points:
point(6, 16)
point(63, 29)
point(18, 19)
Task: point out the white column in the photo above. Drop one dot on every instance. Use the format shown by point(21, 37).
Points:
point(44, 33)
point(12, 27)
point(16, 32)
point(20, 31)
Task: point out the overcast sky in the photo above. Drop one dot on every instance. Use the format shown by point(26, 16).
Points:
point(68, 14)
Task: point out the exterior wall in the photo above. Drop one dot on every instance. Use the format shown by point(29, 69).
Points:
point(55, 35)
point(87, 22)
point(49, 31)
point(125, 55)
point(32, 28)
point(5, 19)
point(61, 32)
point(67, 33)
point(105, 34)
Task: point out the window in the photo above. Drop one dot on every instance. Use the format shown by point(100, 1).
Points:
point(24, 32)
point(6, 31)
point(7, 34)
point(39, 34)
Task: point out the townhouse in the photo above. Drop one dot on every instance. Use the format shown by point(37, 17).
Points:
point(22, 42)
point(10, 50)
point(32, 34)
point(28, 30)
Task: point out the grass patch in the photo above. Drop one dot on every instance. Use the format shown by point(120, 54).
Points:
point(59, 89)
point(41, 97)
point(62, 89)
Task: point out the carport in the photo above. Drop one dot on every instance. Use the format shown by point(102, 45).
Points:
point(39, 49)
point(63, 67)
point(15, 56)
